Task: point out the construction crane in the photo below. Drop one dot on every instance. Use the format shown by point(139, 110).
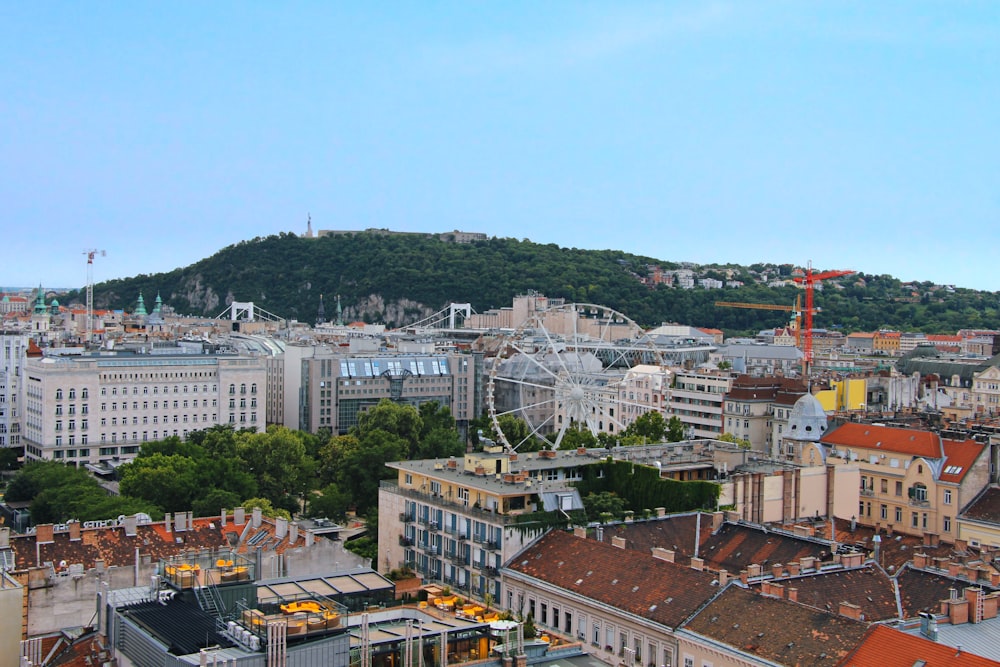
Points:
point(796, 311)
point(809, 281)
point(91, 253)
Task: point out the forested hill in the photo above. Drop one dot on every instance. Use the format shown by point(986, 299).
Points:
point(397, 279)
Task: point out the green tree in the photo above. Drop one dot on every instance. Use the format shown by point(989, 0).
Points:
point(604, 502)
point(266, 507)
point(329, 502)
point(402, 421)
point(650, 426)
point(675, 429)
point(277, 462)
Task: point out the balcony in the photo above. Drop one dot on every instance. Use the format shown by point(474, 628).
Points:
point(405, 541)
point(920, 502)
point(493, 545)
point(867, 492)
point(489, 571)
point(406, 517)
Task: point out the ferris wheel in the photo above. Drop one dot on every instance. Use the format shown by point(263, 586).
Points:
point(564, 368)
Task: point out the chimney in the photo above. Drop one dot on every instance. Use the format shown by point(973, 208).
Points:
point(807, 563)
point(74, 531)
point(663, 554)
point(744, 577)
point(956, 610)
point(661, 511)
point(850, 610)
point(239, 516)
point(718, 518)
point(723, 578)
point(972, 594)
point(131, 523)
point(794, 568)
point(44, 534)
point(852, 560)
point(617, 541)
point(928, 626)
point(754, 570)
point(793, 595)
point(990, 603)
point(310, 537)
point(777, 590)
point(697, 564)
point(776, 570)
point(258, 517)
point(961, 545)
point(280, 527)
point(920, 561)
point(5, 537)
point(222, 518)
point(180, 522)
point(940, 562)
point(580, 531)
point(293, 533)
point(994, 575)
point(954, 569)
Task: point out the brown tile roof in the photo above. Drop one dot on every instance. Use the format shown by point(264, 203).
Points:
point(886, 438)
point(895, 550)
point(986, 507)
point(633, 582)
point(887, 647)
point(676, 533)
point(868, 587)
point(117, 549)
point(732, 547)
point(921, 590)
point(777, 630)
point(736, 546)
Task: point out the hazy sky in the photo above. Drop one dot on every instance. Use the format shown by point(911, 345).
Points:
point(857, 135)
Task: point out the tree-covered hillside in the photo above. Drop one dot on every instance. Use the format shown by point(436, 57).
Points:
point(396, 279)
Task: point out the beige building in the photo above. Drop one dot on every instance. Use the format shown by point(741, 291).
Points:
point(93, 409)
point(12, 603)
point(910, 481)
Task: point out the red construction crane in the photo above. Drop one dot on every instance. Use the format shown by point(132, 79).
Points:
point(809, 281)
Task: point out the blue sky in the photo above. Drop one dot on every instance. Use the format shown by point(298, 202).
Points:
point(856, 135)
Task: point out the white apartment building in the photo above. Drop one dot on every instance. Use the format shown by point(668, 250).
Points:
point(13, 347)
point(696, 398)
point(101, 408)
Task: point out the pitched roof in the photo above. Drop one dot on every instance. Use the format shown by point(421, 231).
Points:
point(960, 458)
point(777, 630)
point(115, 548)
point(886, 647)
point(986, 507)
point(867, 587)
point(900, 440)
point(732, 547)
point(920, 590)
point(633, 582)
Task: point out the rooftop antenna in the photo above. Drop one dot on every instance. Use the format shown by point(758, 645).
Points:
point(91, 253)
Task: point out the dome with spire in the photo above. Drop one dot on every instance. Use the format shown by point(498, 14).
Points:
point(808, 419)
point(140, 308)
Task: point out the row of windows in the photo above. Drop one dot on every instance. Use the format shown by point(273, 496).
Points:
point(627, 644)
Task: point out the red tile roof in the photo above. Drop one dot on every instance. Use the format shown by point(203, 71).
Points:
point(960, 458)
point(885, 647)
point(636, 583)
point(900, 440)
point(783, 632)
